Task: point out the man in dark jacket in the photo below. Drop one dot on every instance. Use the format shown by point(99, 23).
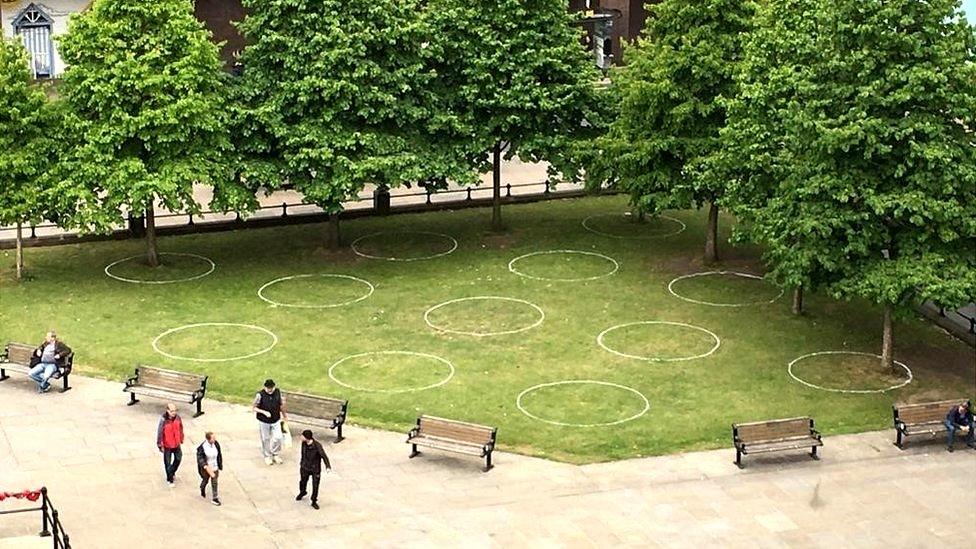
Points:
point(47, 359)
point(169, 438)
point(210, 462)
point(958, 417)
point(311, 466)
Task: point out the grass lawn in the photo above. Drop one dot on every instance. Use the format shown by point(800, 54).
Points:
point(321, 320)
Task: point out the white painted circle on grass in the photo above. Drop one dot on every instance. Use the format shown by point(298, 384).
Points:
point(408, 390)
point(616, 266)
point(357, 251)
point(155, 343)
point(587, 225)
point(518, 402)
point(714, 304)
point(137, 281)
point(789, 370)
point(368, 293)
point(599, 341)
point(542, 316)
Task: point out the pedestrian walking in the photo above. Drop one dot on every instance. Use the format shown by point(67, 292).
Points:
point(169, 438)
point(311, 466)
point(210, 461)
point(269, 408)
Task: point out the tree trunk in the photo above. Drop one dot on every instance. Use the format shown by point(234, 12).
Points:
point(887, 356)
point(637, 215)
point(711, 234)
point(798, 300)
point(333, 235)
point(20, 251)
point(152, 253)
point(496, 185)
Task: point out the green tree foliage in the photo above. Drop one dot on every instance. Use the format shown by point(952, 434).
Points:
point(25, 120)
point(671, 94)
point(865, 181)
point(145, 92)
point(338, 95)
point(513, 79)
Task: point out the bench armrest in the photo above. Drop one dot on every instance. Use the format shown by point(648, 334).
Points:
point(488, 448)
point(131, 381)
point(815, 433)
point(413, 432)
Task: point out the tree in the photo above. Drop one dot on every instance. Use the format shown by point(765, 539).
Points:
point(337, 95)
point(875, 145)
point(24, 122)
point(145, 92)
point(671, 93)
point(513, 79)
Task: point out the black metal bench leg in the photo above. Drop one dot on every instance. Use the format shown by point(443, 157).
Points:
point(900, 443)
point(339, 436)
point(738, 458)
point(199, 408)
point(414, 453)
point(488, 464)
point(132, 399)
point(813, 453)
point(64, 381)
point(3, 374)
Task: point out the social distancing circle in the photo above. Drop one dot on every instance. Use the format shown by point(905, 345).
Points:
point(441, 361)
point(357, 246)
point(715, 303)
point(790, 371)
point(600, 340)
point(269, 333)
point(368, 291)
point(646, 405)
point(541, 316)
point(677, 226)
point(614, 266)
point(209, 269)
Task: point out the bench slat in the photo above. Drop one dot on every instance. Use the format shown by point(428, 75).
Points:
point(177, 381)
point(19, 353)
point(773, 430)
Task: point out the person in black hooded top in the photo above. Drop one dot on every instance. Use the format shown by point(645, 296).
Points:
point(311, 466)
point(210, 461)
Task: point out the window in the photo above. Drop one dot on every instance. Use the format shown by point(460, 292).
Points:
point(34, 28)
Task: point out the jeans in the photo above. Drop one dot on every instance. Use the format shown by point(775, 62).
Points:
point(270, 438)
point(212, 481)
point(41, 373)
point(303, 483)
point(951, 429)
point(171, 461)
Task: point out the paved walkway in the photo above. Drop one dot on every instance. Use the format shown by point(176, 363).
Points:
point(98, 459)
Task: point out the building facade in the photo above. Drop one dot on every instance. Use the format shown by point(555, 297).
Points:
point(39, 23)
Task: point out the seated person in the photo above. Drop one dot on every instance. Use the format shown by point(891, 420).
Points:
point(46, 360)
point(959, 417)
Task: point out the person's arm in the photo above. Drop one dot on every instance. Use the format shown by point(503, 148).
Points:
point(179, 425)
point(323, 455)
point(159, 435)
point(254, 406)
point(220, 457)
point(284, 413)
point(201, 457)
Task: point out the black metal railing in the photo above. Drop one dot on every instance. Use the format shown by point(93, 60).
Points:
point(50, 522)
point(285, 209)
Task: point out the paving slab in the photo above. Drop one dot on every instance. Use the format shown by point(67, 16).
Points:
point(97, 457)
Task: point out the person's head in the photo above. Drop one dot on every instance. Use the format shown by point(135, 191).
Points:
point(964, 406)
point(307, 437)
point(210, 437)
point(51, 336)
point(171, 410)
point(269, 386)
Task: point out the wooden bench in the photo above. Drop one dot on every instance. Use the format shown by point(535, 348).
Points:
point(17, 358)
point(167, 384)
point(773, 436)
point(922, 418)
point(318, 411)
point(453, 436)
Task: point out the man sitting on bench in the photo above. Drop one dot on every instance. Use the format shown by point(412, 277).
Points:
point(46, 360)
point(958, 417)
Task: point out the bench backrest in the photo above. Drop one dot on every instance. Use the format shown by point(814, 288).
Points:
point(456, 430)
point(19, 353)
point(772, 430)
point(925, 412)
point(169, 379)
point(313, 406)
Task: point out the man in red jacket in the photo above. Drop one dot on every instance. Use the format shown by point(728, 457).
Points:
point(169, 437)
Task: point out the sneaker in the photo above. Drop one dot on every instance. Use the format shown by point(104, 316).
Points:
point(949, 449)
point(315, 505)
point(46, 388)
point(170, 483)
point(268, 461)
point(278, 460)
point(215, 501)
point(300, 496)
